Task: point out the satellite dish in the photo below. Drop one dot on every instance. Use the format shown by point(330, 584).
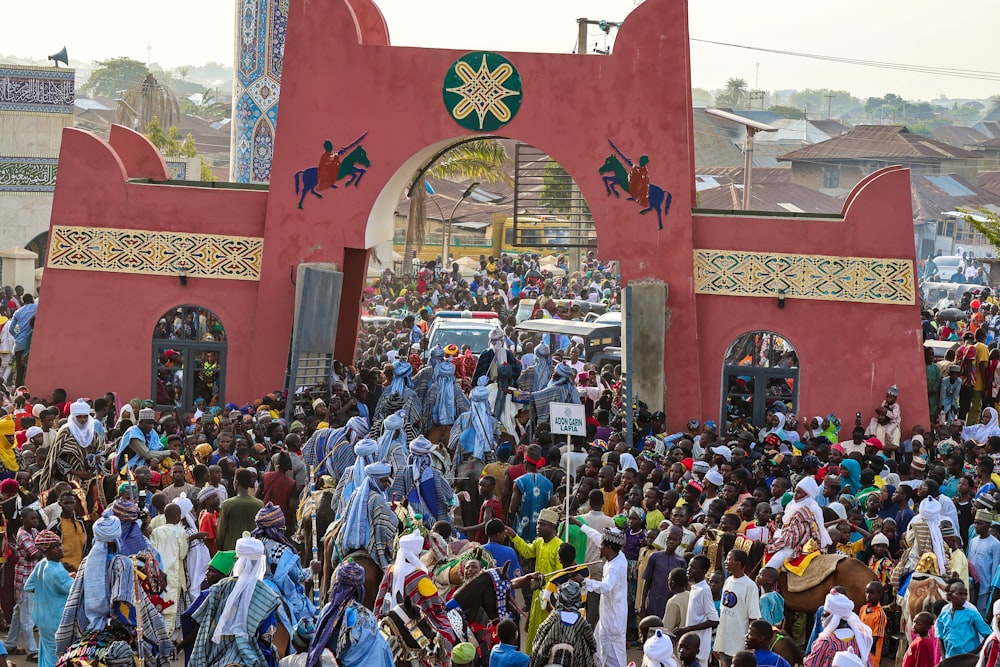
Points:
point(60, 57)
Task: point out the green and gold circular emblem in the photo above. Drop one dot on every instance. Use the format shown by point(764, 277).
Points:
point(482, 91)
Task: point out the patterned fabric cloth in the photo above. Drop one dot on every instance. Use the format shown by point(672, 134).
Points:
point(797, 533)
point(64, 455)
point(423, 594)
point(122, 595)
point(387, 405)
point(254, 648)
point(824, 648)
point(556, 630)
point(24, 546)
point(430, 495)
point(378, 530)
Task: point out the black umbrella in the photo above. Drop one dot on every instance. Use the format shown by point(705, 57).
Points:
point(953, 314)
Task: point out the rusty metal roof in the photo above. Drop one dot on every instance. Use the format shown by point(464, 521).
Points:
point(874, 142)
point(990, 180)
point(958, 136)
point(934, 195)
point(770, 196)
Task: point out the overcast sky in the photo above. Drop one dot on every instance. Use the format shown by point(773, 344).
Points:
point(916, 32)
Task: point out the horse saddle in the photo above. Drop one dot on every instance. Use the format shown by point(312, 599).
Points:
point(415, 634)
point(818, 568)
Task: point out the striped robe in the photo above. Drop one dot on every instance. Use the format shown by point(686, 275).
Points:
point(249, 650)
point(431, 607)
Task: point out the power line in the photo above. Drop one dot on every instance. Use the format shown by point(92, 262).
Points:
point(923, 69)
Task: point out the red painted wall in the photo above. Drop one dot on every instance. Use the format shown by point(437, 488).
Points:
point(340, 80)
point(849, 353)
point(94, 330)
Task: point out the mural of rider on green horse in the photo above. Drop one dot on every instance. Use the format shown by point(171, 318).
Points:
point(333, 166)
point(635, 182)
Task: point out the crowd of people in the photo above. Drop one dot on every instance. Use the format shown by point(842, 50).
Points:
point(366, 526)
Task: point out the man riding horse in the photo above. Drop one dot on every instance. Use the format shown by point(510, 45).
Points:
point(424, 487)
point(402, 383)
point(502, 370)
point(368, 523)
point(474, 438)
point(331, 450)
point(445, 400)
point(802, 524)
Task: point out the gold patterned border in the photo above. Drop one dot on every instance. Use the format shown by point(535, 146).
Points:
point(155, 253)
point(822, 277)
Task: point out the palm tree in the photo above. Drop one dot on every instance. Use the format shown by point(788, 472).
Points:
point(483, 160)
point(735, 93)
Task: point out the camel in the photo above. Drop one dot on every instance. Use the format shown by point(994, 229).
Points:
point(851, 573)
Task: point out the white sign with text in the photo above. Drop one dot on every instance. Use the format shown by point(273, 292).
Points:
point(567, 419)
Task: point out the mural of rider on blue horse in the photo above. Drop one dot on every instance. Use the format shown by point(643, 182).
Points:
point(333, 166)
point(635, 182)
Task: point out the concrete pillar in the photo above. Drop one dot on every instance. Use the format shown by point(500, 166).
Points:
point(18, 267)
point(645, 325)
point(260, 49)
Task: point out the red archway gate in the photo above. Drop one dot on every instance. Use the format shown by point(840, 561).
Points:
point(359, 114)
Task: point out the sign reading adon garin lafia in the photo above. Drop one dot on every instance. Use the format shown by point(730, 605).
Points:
point(567, 419)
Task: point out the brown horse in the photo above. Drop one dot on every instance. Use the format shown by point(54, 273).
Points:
point(787, 648)
point(851, 573)
point(439, 435)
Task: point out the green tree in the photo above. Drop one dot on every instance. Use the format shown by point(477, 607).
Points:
point(818, 101)
point(114, 76)
point(170, 145)
point(735, 94)
point(557, 189)
point(483, 160)
point(986, 222)
point(787, 111)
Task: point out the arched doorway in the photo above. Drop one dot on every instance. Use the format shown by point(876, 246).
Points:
point(760, 367)
point(189, 358)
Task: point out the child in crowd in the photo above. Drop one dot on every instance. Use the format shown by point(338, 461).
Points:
point(758, 640)
point(921, 651)
point(505, 654)
point(959, 627)
point(159, 503)
point(874, 616)
point(171, 541)
point(687, 650)
point(880, 562)
point(27, 555)
point(772, 605)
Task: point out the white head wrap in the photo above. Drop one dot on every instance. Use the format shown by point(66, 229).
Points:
point(808, 484)
point(407, 561)
point(841, 608)
point(83, 435)
point(659, 650)
point(930, 512)
point(251, 564)
point(187, 510)
point(996, 632)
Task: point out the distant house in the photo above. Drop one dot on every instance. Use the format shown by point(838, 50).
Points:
point(939, 203)
point(959, 136)
point(835, 166)
point(776, 196)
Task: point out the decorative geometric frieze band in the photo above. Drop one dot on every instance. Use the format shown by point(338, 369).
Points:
point(822, 277)
point(27, 174)
point(36, 90)
point(155, 253)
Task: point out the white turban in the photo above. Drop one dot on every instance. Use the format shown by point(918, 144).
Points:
point(930, 512)
point(187, 510)
point(811, 489)
point(407, 561)
point(841, 608)
point(659, 650)
point(250, 567)
point(79, 408)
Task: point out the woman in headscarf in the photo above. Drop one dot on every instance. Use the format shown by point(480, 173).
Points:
point(10, 458)
point(776, 425)
point(565, 625)
point(850, 477)
point(346, 627)
point(988, 425)
point(842, 631)
point(238, 616)
point(803, 521)
point(285, 573)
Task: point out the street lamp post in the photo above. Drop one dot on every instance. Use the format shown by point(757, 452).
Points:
point(446, 234)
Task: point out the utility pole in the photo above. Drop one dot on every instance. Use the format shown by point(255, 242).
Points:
point(581, 35)
point(829, 105)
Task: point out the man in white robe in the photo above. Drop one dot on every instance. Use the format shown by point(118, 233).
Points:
point(613, 587)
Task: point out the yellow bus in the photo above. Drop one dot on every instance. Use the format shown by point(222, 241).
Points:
point(544, 234)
